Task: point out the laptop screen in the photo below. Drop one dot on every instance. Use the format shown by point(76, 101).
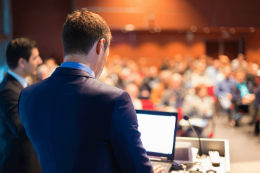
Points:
point(158, 130)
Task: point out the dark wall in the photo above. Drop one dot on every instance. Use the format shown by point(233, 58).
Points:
point(41, 20)
point(176, 14)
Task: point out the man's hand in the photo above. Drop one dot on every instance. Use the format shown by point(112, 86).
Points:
point(248, 98)
point(158, 169)
point(229, 96)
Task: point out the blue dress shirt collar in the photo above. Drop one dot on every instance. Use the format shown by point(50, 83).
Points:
point(78, 66)
point(19, 78)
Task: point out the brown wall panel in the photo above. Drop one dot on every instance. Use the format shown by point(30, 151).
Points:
point(253, 47)
point(175, 14)
point(41, 21)
point(154, 46)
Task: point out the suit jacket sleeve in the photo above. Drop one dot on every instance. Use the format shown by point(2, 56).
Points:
point(9, 109)
point(125, 138)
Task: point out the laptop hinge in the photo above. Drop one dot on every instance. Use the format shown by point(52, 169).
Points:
point(158, 159)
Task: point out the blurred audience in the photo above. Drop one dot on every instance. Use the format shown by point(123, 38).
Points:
point(175, 94)
point(200, 104)
point(184, 84)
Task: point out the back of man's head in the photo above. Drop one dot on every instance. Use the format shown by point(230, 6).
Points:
point(19, 48)
point(81, 30)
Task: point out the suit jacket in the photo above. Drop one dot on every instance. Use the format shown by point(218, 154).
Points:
point(16, 151)
point(79, 124)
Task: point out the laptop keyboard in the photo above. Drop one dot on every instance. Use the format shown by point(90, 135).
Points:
point(167, 166)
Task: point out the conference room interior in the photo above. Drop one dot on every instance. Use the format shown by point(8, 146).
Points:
point(169, 55)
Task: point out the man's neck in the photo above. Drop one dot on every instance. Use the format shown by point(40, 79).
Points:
point(18, 72)
point(79, 59)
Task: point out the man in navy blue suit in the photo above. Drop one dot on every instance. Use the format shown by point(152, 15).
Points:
point(77, 123)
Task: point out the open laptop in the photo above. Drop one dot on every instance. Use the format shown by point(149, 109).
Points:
point(158, 135)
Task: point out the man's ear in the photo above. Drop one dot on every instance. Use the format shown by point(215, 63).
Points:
point(100, 45)
point(21, 62)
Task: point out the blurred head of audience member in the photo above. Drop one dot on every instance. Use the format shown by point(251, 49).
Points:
point(133, 91)
point(253, 68)
point(175, 81)
point(227, 71)
point(158, 90)
point(109, 81)
point(199, 76)
point(43, 72)
point(224, 60)
point(216, 64)
point(22, 57)
point(51, 64)
point(182, 67)
point(200, 67)
point(239, 63)
point(201, 90)
point(240, 75)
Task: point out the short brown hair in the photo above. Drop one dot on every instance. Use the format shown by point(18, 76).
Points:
point(81, 30)
point(200, 87)
point(17, 48)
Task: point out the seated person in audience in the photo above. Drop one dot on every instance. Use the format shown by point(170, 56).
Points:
point(242, 94)
point(174, 95)
point(149, 82)
point(252, 74)
point(239, 63)
point(42, 72)
point(198, 76)
point(133, 91)
point(223, 90)
point(200, 104)
point(213, 71)
point(51, 63)
point(158, 90)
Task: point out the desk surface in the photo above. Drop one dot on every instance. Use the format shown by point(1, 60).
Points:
point(205, 164)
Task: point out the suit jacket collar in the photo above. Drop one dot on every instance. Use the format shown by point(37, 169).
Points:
point(14, 81)
point(71, 72)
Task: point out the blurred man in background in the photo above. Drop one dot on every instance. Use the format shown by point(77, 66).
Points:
point(213, 71)
point(17, 154)
point(242, 95)
point(223, 90)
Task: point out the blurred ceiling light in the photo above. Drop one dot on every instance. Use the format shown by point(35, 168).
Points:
point(206, 30)
point(129, 27)
point(252, 29)
point(193, 28)
point(232, 30)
